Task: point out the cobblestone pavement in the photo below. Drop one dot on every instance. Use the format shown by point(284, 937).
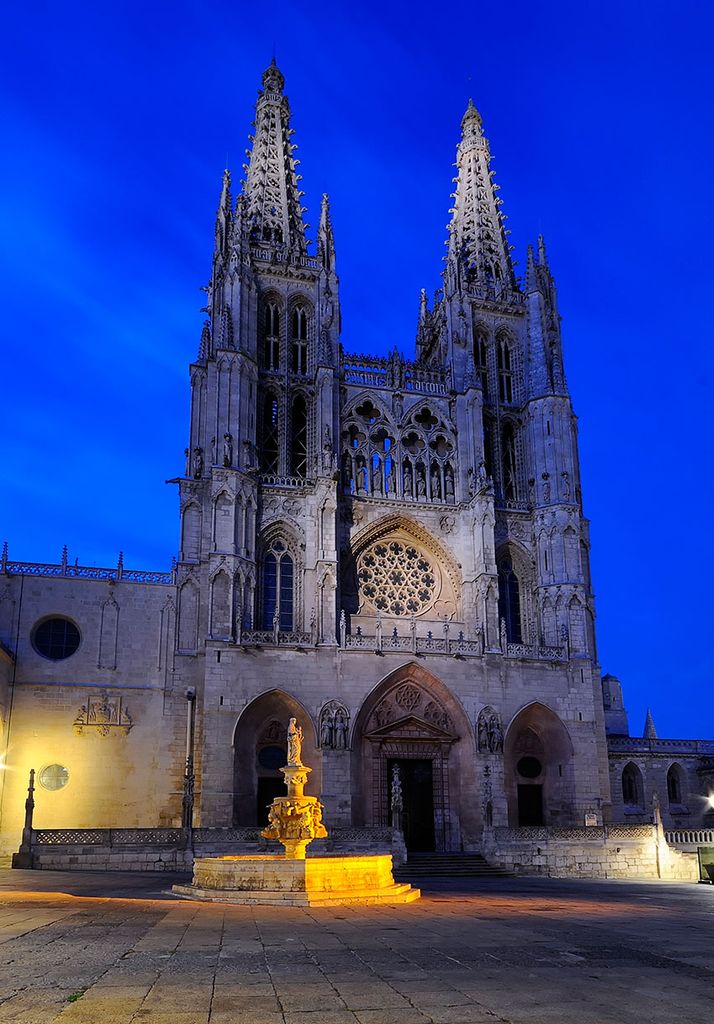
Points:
point(82, 948)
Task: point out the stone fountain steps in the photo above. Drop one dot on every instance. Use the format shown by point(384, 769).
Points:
point(448, 865)
point(393, 894)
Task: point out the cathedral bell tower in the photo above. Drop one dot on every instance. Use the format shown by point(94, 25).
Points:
point(499, 339)
point(260, 461)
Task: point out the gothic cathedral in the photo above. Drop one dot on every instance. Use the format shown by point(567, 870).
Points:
point(392, 550)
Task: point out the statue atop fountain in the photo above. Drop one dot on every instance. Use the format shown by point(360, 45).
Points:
point(295, 820)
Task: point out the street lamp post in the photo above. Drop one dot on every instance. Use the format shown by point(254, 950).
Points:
point(189, 778)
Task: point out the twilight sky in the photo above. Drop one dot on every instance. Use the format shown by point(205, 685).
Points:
point(117, 126)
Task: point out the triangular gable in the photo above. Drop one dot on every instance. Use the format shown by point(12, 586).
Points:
point(411, 727)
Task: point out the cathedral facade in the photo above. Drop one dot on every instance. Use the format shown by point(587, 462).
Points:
point(391, 550)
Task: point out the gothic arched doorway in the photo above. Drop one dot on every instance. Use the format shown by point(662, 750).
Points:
point(538, 766)
point(412, 721)
point(260, 750)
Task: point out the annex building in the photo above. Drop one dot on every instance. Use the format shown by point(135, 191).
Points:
point(391, 550)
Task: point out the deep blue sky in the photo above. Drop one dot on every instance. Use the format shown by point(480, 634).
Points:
point(116, 127)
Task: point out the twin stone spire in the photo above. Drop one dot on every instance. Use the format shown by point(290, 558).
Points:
point(269, 213)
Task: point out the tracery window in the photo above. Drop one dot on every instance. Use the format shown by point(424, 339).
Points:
point(277, 587)
point(298, 437)
point(271, 336)
point(509, 600)
point(299, 338)
point(413, 464)
point(505, 369)
point(270, 433)
point(396, 578)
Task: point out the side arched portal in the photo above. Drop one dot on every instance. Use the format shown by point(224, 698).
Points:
point(260, 750)
point(538, 769)
point(413, 722)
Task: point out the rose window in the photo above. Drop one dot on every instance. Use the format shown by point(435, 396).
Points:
point(396, 578)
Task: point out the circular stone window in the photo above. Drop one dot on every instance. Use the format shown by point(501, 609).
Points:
point(272, 758)
point(54, 776)
point(396, 578)
point(529, 767)
point(56, 638)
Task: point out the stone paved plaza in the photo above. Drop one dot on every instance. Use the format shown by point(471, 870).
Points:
point(113, 949)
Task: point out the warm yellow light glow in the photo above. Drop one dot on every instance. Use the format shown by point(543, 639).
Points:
point(710, 799)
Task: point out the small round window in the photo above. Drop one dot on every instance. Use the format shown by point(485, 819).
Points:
point(54, 776)
point(529, 767)
point(56, 638)
point(272, 758)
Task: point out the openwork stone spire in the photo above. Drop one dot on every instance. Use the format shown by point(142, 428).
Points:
point(479, 253)
point(274, 214)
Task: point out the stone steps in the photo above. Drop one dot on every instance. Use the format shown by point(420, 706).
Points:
point(448, 865)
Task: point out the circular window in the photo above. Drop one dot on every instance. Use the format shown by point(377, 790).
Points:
point(54, 776)
point(396, 578)
point(272, 758)
point(529, 767)
point(56, 638)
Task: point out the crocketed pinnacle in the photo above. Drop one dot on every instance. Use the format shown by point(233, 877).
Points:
point(650, 733)
point(326, 235)
point(478, 244)
point(274, 212)
point(224, 216)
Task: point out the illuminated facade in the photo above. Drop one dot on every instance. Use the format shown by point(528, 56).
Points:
point(392, 550)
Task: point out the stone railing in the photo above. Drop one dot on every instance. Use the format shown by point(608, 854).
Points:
point(173, 849)
point(690, 838)
point(459, 646)
point(576, 834)
point(375, 372)
point(540, 652)
point(269, 638)
point(273, 480)
point(85, 572)
point(633, 744)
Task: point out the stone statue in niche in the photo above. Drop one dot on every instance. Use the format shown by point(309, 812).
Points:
point(546, 488)
point(334, 728)
point(421, 483)
point(227, 450)
point(214, 452)
point(187, 463)
point(495, 734)
point(377, 477)
point(488, 732)
point(295, 737)
point(435, 484)
point(197, 463)
point(449, 483)
point(566, 486)
point(408, 482)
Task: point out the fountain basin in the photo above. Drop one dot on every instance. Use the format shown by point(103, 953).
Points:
point(273, 879)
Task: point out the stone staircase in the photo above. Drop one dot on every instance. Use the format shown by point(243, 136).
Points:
point(447, 865)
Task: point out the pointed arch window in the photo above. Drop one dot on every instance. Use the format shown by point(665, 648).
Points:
point(270, 433)
point(481, 357)
point(509, 600)
point(271, 337)
point(298, 437)
point(675, 785)
point(299, 339)
point(505, 369)
point(278, 587)
point(632, 788)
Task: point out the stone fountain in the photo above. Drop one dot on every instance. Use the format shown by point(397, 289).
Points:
point(292, 878)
